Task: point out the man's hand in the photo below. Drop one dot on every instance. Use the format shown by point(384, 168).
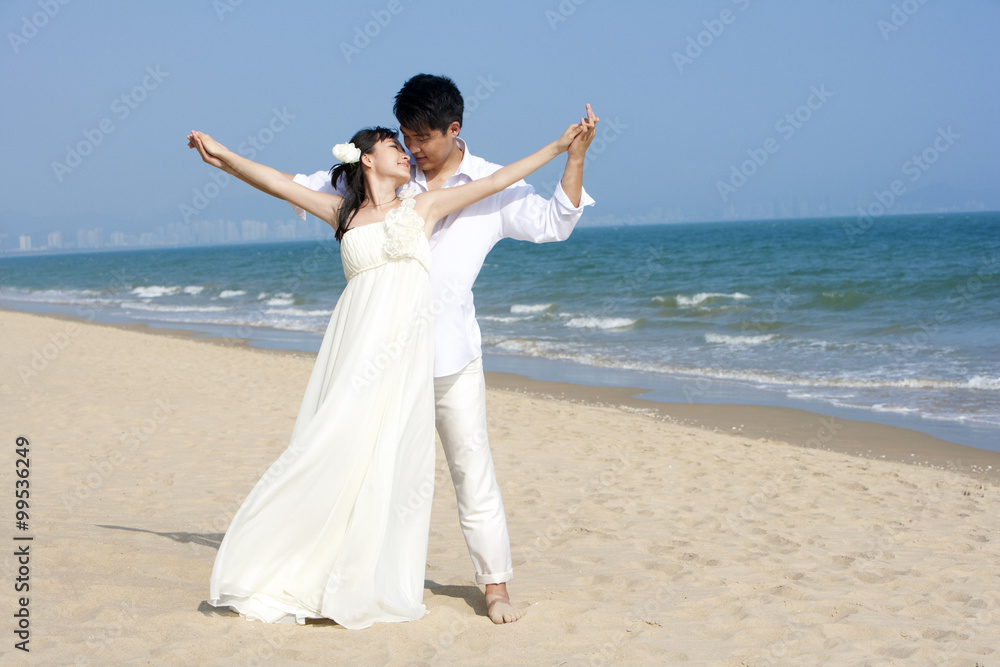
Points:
point(567, 138)
point(582, 141)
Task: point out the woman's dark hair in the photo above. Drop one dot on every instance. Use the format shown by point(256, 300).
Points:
point(353, 185)
point(428, 102)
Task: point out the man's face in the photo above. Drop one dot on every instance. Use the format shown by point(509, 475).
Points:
point(430, 147)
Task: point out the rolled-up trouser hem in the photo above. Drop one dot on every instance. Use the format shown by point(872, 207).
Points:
point(501, 578)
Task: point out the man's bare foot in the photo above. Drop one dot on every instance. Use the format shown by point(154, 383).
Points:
point(498, 605)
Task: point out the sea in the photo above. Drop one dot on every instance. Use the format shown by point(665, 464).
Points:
point(894, 320)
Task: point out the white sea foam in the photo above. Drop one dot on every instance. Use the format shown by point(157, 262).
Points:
point(225, 294)
point(298, 312)
point(698, 299)
point(501, 318)
point(153, 291)
point(600, 322)
point(193, 290)
point(159, 308)
point(897, 409)
point(808, 384)
point(531, 309)
point(739, 341)
point(52, 296)
point(983, 382)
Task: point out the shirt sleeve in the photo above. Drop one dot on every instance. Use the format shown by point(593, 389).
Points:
point(527, 216)
point(319, 181)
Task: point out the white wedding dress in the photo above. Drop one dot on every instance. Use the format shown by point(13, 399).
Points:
point(337, 527)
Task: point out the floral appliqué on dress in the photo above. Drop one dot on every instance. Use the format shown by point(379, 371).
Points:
point(403, 227)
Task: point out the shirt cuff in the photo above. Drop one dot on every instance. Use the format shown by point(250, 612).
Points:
point(563, 199)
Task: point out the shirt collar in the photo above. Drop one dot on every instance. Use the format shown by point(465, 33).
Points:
point(465, 167)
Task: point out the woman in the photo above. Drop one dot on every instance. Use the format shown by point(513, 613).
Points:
point(338, 525)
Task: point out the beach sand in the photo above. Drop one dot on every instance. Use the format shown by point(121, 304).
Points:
point(640, 534)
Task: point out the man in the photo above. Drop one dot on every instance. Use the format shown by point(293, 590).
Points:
point(429, 110)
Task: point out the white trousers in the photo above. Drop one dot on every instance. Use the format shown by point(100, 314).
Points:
point(461, 422)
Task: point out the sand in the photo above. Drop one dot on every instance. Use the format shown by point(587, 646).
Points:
point(638, 537)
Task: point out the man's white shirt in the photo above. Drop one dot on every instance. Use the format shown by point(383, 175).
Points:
point(460, 242)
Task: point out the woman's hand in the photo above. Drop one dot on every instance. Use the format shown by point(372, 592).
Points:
point(208, 148)
point(563, 142)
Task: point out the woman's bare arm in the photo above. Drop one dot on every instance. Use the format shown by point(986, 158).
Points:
point(271, 181)
point(436, 204)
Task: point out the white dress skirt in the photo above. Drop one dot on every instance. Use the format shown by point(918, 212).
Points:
point(337, 527)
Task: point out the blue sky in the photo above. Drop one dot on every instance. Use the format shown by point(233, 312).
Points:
point(710, 110)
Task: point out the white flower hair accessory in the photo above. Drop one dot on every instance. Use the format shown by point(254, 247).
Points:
point(347, 153)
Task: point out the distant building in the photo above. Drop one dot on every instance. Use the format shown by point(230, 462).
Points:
point(90, 238)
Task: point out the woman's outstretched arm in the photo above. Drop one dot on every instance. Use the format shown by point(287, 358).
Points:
point(271, 181)
point(436, 204)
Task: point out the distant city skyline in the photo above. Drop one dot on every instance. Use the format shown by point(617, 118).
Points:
point(229, 232)
point(173, 234)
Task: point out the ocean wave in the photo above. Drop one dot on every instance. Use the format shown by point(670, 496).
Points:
point(683, 301)
point(53, 296)
point(600, 322)
point(503, 319)
point(739, 341)
point(983, 382)
point(193, 290)
point(154, 291)
point(298, 312)
point(897, 409)
point(225, 294)
point(531, 309)
point(160, 308)
point(820, 382)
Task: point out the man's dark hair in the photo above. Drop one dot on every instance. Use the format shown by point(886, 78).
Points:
point(428, 102)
